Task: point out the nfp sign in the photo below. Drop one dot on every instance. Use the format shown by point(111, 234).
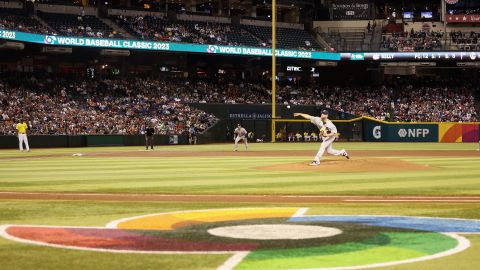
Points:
point(413, 132)
point(393, 132)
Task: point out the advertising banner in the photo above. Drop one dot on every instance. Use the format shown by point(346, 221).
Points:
point(249, 113)
point(391, 132)
point(351, 10)
point(162, 46)
point(413, 56)
point(413, 132)
point(458, 132)
point(463, 18)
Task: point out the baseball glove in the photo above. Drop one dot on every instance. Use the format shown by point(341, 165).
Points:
point(324, 131)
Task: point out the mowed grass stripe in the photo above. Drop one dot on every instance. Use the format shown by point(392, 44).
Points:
point(260, 185)
point(116, 172)
point(232, 175)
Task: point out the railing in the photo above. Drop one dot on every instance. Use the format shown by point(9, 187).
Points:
point(347, 38)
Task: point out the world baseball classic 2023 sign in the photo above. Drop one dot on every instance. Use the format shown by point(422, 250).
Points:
point(162, 46)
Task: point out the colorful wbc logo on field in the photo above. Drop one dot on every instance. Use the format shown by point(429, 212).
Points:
point(265, 238)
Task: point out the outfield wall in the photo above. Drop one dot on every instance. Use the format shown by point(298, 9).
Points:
point(46, 141)
point(256, 118)
point(380, 131)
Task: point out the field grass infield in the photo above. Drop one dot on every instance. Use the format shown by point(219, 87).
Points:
point(91, 187)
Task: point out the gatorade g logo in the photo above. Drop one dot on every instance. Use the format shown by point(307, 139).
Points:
point(377, 132)
point(50, 39)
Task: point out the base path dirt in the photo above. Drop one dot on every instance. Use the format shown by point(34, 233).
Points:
point(223, 198)
point(292, 153)
point(352, 165)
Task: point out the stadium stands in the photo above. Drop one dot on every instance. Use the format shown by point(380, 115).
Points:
point(122, 106)
point(16, 19)
point(413, 41)
point(106, 107)
point(147, 27)
point(77, 25)
point(159, 28)
point(286, 37)
point(467, 41)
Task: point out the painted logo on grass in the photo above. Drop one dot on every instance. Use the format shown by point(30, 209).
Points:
point(265, 238)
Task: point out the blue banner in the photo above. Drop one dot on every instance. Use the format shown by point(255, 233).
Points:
point(392, 132)
point(162, 46)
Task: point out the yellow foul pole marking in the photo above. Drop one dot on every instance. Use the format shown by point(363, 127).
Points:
point(274, 66)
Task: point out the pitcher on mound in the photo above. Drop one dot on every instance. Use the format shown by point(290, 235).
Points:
point(328, 133)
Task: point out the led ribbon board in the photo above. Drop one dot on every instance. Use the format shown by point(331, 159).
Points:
point(415, 56)
point(235, 50)
point(162, 46)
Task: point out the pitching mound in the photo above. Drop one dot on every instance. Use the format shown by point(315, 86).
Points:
point(352, 165)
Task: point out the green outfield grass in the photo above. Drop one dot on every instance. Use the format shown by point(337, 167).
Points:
point(235, 175)
point(62, 172)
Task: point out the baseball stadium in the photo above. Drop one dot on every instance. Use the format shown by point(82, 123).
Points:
point(239, 134)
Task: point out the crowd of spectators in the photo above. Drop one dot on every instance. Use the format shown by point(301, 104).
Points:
point(154, 28)
point(435, 104)
point(79, 25)
point(86, 31)
point(22, 23)
point(105, 107)
point(465, 40)
point(158, 28)
point(146, 27)
point(413, 41)
point(125, 106)
point(359, 101)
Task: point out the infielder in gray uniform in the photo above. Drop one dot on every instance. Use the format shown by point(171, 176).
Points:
point(238, 135)
point(328, 132)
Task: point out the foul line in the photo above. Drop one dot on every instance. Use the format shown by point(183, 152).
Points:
point(233, 261)
point(232, 197)
point(411, 200)
point(300, 212)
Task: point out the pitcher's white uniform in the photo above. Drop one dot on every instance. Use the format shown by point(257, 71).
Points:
point(327, 141)
point(240, 134)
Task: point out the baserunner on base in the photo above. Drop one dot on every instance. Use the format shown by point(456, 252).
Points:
point(240, 134)
point(328, 133)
